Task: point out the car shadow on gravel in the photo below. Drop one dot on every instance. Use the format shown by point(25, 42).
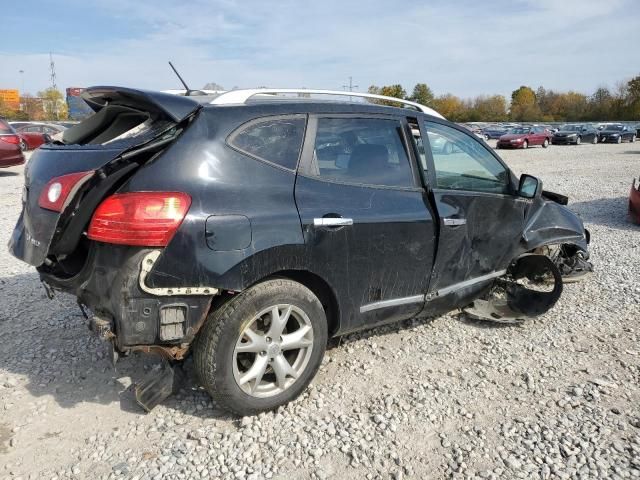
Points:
point(608, 212)
point(49, 351)
point(8, 174)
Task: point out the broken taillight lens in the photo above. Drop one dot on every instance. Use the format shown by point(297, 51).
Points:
point(55, 193)
point(147, 219)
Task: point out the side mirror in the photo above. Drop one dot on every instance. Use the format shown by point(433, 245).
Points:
point(529, 186)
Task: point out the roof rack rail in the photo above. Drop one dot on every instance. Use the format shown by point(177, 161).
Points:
point(235, 97)
point(182, 91)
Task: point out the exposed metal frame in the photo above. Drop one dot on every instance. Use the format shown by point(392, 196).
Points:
point(235, 97)
point(147, 265)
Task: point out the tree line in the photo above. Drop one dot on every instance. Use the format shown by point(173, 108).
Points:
point(528, 105)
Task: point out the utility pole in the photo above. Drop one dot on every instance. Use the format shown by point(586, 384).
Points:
point(21, 72)
point(351, 86)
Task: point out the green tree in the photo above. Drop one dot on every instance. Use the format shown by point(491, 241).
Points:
point(633, 100)
point(488, 109)
point(388, 91)
point(600, 105)
point(422, 94)
point(55, 106)
point(524, 107)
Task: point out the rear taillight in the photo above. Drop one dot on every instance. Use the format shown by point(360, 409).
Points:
point(13, 139)
point(147, 219)
point(55, 193)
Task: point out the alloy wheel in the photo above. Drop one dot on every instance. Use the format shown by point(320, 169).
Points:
point(273, 350)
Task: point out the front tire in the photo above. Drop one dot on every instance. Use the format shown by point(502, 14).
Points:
point(545, 144)
point(578, 140)
point(619, 139)
point(262, 348)
point(633, 139)
point(23, 146)
point(595, 139)
point(525, 144)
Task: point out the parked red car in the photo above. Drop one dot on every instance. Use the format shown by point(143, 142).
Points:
point(35, 134)
point(634, 202)
point(525, 137)
point(10, 152)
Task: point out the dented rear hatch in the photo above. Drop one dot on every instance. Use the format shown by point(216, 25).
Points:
point(129, 126)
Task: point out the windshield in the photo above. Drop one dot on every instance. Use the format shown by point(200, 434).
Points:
point(571, 128)
point(615, 128)
point(519, 130)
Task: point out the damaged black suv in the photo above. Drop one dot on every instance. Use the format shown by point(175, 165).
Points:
point(249, 227)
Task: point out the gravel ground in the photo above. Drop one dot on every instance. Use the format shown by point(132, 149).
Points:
point(556, 397)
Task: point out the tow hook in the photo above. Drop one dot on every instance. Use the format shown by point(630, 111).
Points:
point(101, 327)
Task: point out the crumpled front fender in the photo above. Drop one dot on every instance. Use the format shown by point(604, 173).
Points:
point(550, 223)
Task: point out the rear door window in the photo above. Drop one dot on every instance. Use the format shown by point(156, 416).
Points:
point(275, 140)
point(368, 151)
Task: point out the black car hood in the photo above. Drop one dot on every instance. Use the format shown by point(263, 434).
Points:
point(609, 132)
point(567, 132)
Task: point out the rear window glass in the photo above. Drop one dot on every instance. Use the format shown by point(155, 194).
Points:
point(5, 127)
point(274, 139)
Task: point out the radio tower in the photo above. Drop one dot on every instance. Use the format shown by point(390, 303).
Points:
point(52, 67)
point(54, 103)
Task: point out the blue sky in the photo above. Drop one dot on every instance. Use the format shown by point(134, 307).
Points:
point(463, 47)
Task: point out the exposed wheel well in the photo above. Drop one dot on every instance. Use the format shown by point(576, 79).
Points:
point(321, 289)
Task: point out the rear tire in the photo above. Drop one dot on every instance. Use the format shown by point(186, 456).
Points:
point(595, 139)
point(245, 370)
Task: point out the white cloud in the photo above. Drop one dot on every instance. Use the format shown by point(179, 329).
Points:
point(466, 48)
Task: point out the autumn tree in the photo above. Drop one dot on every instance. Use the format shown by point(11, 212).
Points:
point(451, 107)
point(524, 107)
point(55, 106)
point(422, 94)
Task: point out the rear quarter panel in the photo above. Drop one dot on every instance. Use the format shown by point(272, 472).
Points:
point(223, 183)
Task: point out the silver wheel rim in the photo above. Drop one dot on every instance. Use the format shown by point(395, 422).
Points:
point(273, 350)
point(578, 140)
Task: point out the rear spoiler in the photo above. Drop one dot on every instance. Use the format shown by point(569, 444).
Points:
point(177, 108)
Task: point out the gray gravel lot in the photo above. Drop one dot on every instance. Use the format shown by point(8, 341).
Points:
point(557, 397)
